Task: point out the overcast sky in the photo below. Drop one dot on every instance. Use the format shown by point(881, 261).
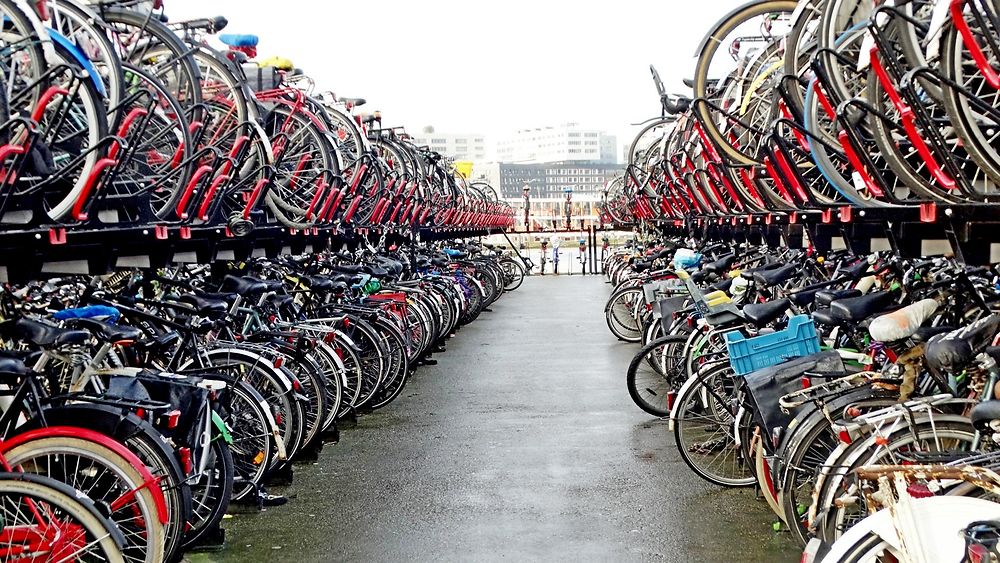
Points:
point(482, 67)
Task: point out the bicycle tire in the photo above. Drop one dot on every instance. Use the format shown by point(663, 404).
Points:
point(744, 13)
point(640, 363)
point(50, 457)
point(66, 505)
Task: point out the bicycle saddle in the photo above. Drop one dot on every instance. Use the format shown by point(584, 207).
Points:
point(984, 413)
point(280, 301)
point(245, 286)
point(925, 333)
point(763, 313)
point(107, 332)
point(721, 265)
point(826, 296)
point(954, 350)
point(347, 268)
point(776, 276)
point(902, 323)
point(375, 271)
point(723, 285)
point(748, 274)
point(204, 305)
point(44, 335)
point(857, 269)
point(825, 317)
point(239, 39)
point(860, 308)
point(12, 366)
point(317, 283)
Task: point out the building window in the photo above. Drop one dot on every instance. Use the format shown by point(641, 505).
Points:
point(461, 141)
point(438, 141)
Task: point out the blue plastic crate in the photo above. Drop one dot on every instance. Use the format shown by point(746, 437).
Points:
point(751, 354)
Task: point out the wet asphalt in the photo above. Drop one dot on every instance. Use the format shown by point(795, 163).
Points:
point(521, 444)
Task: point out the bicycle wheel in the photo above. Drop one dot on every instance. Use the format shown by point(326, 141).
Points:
point(47, 508)
point(621, 314)
point(513, 274)
point(70, 126)
point(656, 373)
point(925, 437)
point(704, 432)
point(253, 444)
point(211, 492)
point(145, 41)
point(105, 478)
point(756, 18)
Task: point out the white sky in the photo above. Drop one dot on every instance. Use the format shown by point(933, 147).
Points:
point(482, 67)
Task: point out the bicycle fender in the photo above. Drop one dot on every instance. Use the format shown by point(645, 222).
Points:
point(80, 59)
point(691, 382)
point(101, 440)
point(931, 523)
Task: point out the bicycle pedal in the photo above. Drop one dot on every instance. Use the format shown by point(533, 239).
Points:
point(429, 362)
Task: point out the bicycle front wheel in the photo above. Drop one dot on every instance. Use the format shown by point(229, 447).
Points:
point(656, 373)
point(52, 509)
point(704, 431)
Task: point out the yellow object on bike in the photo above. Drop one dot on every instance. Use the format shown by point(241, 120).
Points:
point(714, 295)
point(280, 63)
point(719, 301)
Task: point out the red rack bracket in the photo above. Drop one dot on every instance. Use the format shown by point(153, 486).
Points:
point(160, 232)
point(57, 235)
point(768, 219)
point(928, 212)
point(845, 214)
point(185, 232)
point(793, 217)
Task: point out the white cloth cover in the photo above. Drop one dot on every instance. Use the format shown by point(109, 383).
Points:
point(901, 324)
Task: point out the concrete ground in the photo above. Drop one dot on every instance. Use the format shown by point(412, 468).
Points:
point(521, 444)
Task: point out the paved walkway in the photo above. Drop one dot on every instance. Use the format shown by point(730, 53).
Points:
point(522, 444)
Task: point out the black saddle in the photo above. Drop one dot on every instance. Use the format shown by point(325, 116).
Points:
point(245, 286)
point(317, 283)
point(206, 306)
point(826, 296)
point(347, 268)
point(954, 350)
point(763, 313)
point(12, 366)
point(984, 413)
point(722, 285)
point(107, 332)
point(860, 308)
point(776, 276)
point(44, 335)
point(856, 270)
point(748, 274)
point(721, 265)
point(825, 317)
point(925, 333)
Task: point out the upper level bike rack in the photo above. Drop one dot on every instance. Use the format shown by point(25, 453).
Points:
point(970, 232)
point(33, 254)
